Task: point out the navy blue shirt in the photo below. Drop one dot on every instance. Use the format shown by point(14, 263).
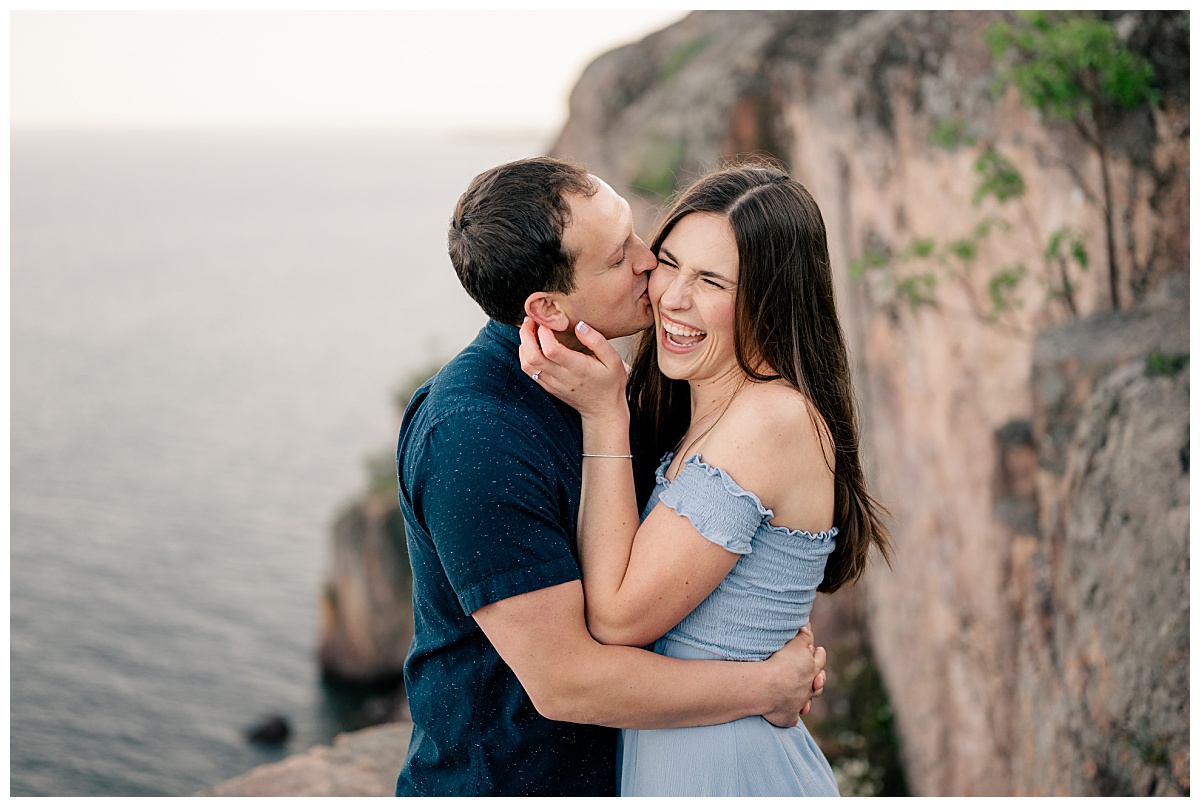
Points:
point(489, 468)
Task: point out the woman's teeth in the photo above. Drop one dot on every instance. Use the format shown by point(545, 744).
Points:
point(682, 336)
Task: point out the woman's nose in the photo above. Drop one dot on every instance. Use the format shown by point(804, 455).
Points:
point(676, 296)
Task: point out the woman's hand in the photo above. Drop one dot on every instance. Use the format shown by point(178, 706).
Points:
point(594, 385)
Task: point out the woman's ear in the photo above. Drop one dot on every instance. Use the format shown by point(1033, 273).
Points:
point(542, 308)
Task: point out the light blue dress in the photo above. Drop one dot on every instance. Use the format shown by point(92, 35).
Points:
point(753, 612)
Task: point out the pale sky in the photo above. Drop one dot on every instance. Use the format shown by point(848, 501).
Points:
point(442, 70)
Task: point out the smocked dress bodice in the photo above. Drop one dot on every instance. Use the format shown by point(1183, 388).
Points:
point(753, 612)
point(768, 595)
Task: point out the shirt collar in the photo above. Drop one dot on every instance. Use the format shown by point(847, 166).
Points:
point(503, 332)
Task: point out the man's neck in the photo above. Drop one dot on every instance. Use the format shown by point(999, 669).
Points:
point(568, 338)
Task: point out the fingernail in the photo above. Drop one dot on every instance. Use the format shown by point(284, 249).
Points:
point(525, 320)
point(582, 327)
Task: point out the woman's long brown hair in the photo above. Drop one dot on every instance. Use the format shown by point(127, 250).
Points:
point(785, 326)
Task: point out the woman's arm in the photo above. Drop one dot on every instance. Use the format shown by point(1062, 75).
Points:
point(638, 581)
point(541, 635)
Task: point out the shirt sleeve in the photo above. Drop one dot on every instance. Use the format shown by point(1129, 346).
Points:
point(493, 504)
point(718, 507)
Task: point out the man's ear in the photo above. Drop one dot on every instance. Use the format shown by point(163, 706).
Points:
point(543, 308)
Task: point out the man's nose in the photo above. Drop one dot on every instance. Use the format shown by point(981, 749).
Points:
point(645, 260)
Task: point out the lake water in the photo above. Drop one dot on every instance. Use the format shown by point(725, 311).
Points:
point(206, 330)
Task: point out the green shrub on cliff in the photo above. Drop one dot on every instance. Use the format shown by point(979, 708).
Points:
point(381, 465)
point(660, 160)
point(859, 735)
point(1071, 67)
point(678, 58)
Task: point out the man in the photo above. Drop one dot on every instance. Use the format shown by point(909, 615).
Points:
point(509, 693)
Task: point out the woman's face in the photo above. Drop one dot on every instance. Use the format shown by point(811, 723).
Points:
point(693, 292)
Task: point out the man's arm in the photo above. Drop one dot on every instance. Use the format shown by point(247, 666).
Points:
point(495, 552)
point(570, 677)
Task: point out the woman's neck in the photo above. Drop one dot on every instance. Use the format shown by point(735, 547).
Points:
point(710, 398)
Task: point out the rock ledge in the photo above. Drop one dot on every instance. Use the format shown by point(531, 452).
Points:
point(359, 763)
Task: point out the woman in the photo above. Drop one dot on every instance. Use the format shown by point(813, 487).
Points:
point(743, 388)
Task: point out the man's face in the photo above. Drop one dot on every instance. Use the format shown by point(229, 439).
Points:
point(612, 265)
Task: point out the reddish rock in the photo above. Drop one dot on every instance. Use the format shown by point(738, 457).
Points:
point(367, 621)
point(361, 763)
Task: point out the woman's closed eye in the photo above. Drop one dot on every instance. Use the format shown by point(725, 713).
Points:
point(711, 279)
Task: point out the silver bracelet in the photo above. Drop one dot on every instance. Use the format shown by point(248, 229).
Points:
point(615, 456)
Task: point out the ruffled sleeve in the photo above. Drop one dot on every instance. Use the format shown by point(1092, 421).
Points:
point(717, 506)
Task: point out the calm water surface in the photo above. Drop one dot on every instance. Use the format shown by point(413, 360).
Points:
point(206, 333)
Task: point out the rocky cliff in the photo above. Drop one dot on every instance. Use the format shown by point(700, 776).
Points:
point(1101, 586)
point(366, 610)
point(360, 763)
point(1007, 565)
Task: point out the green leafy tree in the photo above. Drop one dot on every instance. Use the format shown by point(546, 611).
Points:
point(1071, 67)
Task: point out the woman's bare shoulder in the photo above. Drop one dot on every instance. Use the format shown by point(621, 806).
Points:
point(770, 442)
point(770, 429)
point(772, 410)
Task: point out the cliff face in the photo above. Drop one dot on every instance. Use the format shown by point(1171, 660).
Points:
point(1026, 576)
point(1102, 587)
point(367, 621)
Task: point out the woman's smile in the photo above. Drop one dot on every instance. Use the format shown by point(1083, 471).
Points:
point(680, 338)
